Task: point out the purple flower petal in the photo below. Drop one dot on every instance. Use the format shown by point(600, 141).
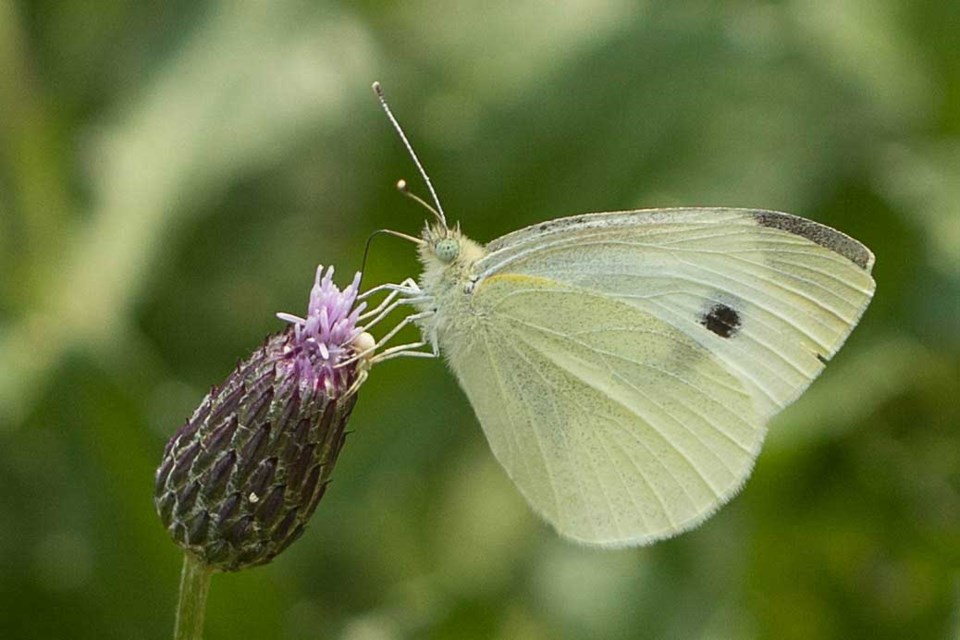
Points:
point(322, 339)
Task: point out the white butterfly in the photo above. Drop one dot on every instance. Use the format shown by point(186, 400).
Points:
point(623, 365)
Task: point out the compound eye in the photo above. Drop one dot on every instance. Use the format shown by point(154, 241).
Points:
point(447, 249)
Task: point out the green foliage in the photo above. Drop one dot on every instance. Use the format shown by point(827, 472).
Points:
point(171, 174)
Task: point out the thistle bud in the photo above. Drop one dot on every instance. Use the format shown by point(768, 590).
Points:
point(239, 481)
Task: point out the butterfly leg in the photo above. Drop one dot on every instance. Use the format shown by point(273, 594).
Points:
point(408, 287)
point(386, 338)
point(361, 378)
point(410, 349)
point(380, 307)
point(407, 350)
point(391, 307)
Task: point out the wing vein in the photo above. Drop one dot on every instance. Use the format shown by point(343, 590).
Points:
point(568, 449)
point(603, 353)
point(543, 457)
point(644, 419)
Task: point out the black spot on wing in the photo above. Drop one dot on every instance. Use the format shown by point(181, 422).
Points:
point(822, 359)
point(822, 235)
point(721, 320)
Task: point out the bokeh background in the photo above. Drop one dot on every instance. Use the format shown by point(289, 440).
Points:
point(172, 173)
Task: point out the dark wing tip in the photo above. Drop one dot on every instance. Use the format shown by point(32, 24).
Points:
point(823, 235)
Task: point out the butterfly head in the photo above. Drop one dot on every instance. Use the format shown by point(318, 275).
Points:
point(442, 243)
point(447, 250)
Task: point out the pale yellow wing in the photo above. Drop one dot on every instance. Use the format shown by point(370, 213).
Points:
point(618, 428)
point(769, 295)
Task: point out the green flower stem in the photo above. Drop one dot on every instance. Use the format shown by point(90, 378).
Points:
point(194, 585)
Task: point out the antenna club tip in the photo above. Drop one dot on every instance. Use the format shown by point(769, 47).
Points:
point(402, 186)
point(377, 89)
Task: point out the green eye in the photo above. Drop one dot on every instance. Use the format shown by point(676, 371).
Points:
point(447, 249)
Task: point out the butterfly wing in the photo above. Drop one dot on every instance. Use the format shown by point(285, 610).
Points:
point(624, 364)
point(617, 427)
point(771, 295)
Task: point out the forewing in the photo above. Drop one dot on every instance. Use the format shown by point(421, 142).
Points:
point(617, 427)
point(771, 296)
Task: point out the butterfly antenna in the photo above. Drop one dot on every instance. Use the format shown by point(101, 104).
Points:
point(404, 188)
point(438, 212)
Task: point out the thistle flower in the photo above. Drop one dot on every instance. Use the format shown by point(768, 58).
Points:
point(241, 478)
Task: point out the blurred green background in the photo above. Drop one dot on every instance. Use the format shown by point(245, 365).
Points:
point(171, 174)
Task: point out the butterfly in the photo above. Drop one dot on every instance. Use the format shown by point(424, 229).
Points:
point(623, 365)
